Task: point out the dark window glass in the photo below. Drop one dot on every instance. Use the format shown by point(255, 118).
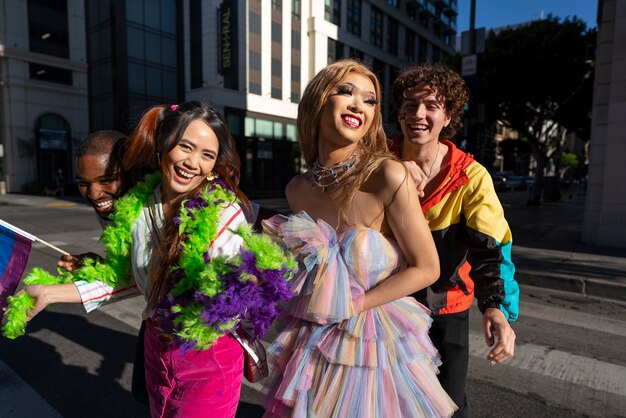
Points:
point(356, 54)
point(255, 60)
point(339, 51)
point(423, 50)
point(255, 88)
point(195, 43)
point(295, 39)
point(51, 74)
point(353, 13)
point(134, 11)
point(376, 27)
point(295, 73)
point(332, 11)
point(277, 32)
point(255, 23)
point(47, 27)
point(152, 14)
point(409, 46)
point(277, 69)
point(332, 46)
point(135, 42)
point(136, 78)
point(154, 82)
point(168, 52)
point(296, 9)
point(392, 36)
point(153, 47)
point(168, 12)
point(277, 93)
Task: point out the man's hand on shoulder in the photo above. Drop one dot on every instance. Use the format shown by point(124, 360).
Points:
point(419, 177)
point(498, 335)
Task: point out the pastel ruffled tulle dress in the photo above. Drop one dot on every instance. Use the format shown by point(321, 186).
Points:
point(332, 360)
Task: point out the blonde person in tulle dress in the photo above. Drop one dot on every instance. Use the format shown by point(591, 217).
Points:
point(351, 343)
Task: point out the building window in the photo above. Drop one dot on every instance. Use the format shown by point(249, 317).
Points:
point(50, 74)
point(295, 40)
point(409, 45)
point(392, 36)
point(255, 88)
point(423, 50)
point(356, 54)
point(379, 70)
point(255, 23)
point(393, 3)
point(296, 9)
point(332, 11)
point(353, 13)
point(335, 51)
point(376, 27)
point(277, 68)
point(48, 27)
point(195, 43)
point(255, 61)
point(411, 10)
point(277, 4)
point(436, 55)
point(295, 73)
point(277, 32)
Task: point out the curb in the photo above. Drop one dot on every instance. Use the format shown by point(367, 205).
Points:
point(591, 287)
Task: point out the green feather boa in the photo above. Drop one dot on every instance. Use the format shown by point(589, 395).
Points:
point(199, 226)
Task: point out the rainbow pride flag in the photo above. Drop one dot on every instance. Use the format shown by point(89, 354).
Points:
point(15, 246)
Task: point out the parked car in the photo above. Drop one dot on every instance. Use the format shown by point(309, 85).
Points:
point(499, 179)
point(506, 180)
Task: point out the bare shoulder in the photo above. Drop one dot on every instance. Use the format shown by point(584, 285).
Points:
point(297, 184)
point(390, 174)
point(296, 188)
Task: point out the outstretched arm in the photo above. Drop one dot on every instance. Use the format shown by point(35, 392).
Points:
point(45, 295)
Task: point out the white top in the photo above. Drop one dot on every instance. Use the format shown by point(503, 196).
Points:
point(96, 294)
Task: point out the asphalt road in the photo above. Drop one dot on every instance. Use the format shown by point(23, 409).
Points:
point(569, 358)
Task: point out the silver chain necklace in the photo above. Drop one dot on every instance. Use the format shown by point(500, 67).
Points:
point(325, 177)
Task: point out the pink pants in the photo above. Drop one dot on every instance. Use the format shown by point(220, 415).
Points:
point(193, 384)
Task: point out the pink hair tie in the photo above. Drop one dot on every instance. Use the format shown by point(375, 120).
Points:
point(173, 107)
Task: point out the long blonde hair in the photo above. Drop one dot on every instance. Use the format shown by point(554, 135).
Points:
point(372, 147)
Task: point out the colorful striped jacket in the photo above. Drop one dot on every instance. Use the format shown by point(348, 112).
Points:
point(473, 241)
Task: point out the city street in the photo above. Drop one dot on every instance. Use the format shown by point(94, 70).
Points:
point(569, 360)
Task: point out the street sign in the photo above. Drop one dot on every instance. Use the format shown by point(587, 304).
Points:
point(469, 65)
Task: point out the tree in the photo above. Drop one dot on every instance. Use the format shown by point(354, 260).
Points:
point(538, 80)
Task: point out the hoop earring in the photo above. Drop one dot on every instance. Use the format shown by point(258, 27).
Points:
point(212, 176)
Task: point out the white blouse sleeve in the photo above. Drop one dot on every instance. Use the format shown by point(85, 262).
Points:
point(95, 294)
point(227, 243)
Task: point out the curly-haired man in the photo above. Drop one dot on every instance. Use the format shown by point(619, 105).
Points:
point(466, 219)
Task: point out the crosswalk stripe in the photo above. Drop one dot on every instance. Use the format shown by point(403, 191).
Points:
point(573, 318)
point(559, 364)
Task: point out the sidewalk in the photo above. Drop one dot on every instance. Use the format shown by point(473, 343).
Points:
point(547, 247)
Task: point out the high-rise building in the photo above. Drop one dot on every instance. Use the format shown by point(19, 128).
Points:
point(43, 91)
point(250, 59)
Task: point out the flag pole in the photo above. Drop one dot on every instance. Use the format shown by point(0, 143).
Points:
point(31, 236)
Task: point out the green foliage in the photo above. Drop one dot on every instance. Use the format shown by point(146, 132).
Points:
point(569, 159)
point(539, 73)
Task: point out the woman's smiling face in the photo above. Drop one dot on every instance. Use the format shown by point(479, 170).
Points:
point(349, 110)
point(190, 161)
